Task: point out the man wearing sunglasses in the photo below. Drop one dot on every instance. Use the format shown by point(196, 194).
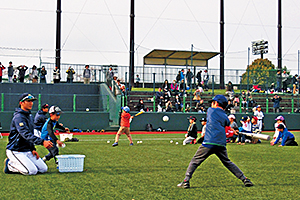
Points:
point(48, 132)
point(20, 150)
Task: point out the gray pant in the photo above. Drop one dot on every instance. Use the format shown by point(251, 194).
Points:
point(204, 152)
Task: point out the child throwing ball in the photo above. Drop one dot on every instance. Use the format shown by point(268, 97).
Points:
point(124, 126)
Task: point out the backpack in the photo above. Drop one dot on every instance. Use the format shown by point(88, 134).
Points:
point(149, 127)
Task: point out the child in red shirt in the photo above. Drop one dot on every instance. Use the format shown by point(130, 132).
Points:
point(124, 126)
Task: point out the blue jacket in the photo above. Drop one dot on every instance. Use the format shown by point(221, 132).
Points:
point(39, 120)
point(215, 127)
point(47, 132)
point(284, 135)
point(21, 137)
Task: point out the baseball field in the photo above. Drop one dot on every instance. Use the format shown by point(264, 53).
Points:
point(153, 168)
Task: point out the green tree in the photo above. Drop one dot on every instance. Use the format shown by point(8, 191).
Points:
point(260, 72)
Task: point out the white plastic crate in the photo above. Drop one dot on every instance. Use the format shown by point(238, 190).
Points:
point(70, 163)
point(63, 136)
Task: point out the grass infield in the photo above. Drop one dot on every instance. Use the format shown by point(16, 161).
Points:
point(152, 170)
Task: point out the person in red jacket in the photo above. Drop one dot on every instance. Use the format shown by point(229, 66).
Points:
point(1, 68)
point(124, 126)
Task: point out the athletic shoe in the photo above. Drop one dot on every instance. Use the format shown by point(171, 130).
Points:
point(247, 183)
point(184, 184)
point(131, 144)
point(115, 144)
point(6, 170)
point(44, 159)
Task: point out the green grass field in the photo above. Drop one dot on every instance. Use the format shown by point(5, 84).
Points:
point(152, 170)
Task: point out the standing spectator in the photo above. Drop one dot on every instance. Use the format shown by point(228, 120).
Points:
point(285, 77)
point(205, 79)
point(86, 75)
point(137, 81)
point(276, 106)
point(182, 87)
point(189, 76)
point(34, 74)
point(182, 75)
point(56, 75)
point(1, 68)
point(22, 70)
point(10, 72)
point(43, 73)
point(199, 78)
point(178, 77)
point(70, 75)
point(278, 80)
point(243, 100)
point(109, 77)
point(295, 83)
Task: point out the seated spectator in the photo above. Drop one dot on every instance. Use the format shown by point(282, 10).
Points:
point(229, 107)
point(236, 101)
point(182, 87)
point(160, 102)
point(178, 104)
point(158, 94)
point(169, 107)
point(140, 106)
point(174, 87)
point(197, 97)
point(165, 85)
point(243, 100)
point(200, 107)
point(276, 106)
point(295, 83)
point(167, 98)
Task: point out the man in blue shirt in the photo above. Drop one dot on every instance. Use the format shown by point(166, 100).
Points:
point(214, 143)
point(288, 139)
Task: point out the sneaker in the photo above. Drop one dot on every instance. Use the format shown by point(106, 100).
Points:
point(184, 184)
point(131, 144)
point(44, 159)
point(115, 144)
point(247, 183)
point(6, 170)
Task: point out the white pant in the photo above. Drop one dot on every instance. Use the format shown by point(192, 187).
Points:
point(25, 163)
point(37, 133)
point(260, 124)
point(188, 140)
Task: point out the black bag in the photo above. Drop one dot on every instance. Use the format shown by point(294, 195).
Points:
point(149, 127)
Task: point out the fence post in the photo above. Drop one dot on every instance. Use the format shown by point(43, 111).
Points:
point(2, 102)
point(184, 103)
point(292, 104)
point(213, 85)
point(154, 103)
point(39, 106)
point(74, 102)
point(267, 105)
point(153, 82)
point(240, 105)
point(107, 104)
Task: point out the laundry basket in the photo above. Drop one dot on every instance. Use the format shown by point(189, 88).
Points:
point(70, 163)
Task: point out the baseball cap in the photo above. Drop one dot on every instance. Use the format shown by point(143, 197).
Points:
point(258, 106)
point(231, 116)
point(244, 118)
point(192, 117)
point(203, 119)
point(221, 99)
point(280, 126)
point(280, 117)
point(55, 110)
point(26, 97)
point(126, 109)
point(45, 105)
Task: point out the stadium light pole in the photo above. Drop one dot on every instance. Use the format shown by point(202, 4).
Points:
point(58, 34)
point(131, 53)
point(222, 44)
point(279, 27)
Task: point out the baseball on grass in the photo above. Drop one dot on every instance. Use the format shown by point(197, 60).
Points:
point(176, 143)
point(108, 141)
point(138, 142)
point(165, 118)
point(171, 141)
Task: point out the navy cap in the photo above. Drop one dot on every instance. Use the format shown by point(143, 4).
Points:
point(26, 97)
point(280, 126)
point(244, 118)
point(221, 99)
point(203, 119)
point(45, 105)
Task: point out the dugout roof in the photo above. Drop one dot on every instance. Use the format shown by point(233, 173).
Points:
point(178, 58)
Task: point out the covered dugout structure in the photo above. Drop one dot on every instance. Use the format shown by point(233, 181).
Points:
point(177, 58)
